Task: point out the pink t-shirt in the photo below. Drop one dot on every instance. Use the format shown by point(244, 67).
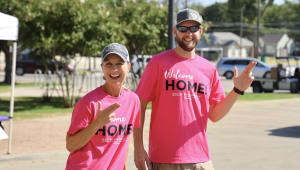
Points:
point(181, 91)
point(107, 149)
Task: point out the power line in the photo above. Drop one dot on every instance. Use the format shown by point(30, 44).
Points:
point(238, 24)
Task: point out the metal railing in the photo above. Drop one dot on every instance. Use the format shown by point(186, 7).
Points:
point(80, 80)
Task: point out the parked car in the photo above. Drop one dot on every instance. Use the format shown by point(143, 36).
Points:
point(225, 67)
point(27, 64)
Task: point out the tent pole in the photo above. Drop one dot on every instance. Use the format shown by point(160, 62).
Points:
point(12, 96)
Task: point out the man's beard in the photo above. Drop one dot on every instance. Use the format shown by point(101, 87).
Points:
point(186, 48)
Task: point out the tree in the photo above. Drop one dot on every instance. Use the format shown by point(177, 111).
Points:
point(283, 19)
point(61, 29)
point(51, 29)
point(294, 20)
point(250, 13)
point(216, 13)
point(215, 16)
point(146, 32)
point(68, 28)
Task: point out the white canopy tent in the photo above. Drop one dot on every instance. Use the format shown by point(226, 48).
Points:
point(9, 28)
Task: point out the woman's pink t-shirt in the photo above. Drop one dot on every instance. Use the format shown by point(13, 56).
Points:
point(107, 149)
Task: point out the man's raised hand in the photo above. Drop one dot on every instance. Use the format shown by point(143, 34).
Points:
point(244, 80)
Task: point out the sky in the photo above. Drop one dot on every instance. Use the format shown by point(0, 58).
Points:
point(210, 2)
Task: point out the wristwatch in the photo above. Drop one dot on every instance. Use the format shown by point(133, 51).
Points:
point(236, 90)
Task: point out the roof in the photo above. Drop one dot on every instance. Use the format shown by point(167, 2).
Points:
point(225, 39)
point(271, 38)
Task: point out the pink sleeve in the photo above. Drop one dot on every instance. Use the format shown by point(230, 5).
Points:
point(81, 117)
point(217, 91)
point(148, 84)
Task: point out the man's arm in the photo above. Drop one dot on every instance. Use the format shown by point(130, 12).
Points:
point(140, 154)
point(241, 82)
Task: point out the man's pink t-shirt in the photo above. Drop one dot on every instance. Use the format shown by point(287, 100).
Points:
point(181, 91)
point(108, 148)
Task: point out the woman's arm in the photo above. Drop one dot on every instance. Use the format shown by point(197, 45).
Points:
point(82, 137)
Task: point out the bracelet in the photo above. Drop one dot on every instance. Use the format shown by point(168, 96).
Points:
point(236, 90)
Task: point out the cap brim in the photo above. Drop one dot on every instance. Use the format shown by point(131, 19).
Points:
point(124, 59)
point(187, 20)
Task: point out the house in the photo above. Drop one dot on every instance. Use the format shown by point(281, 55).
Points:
point(277, 45)
point(226, 44)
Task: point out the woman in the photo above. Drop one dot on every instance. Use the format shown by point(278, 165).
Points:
point(104, 118)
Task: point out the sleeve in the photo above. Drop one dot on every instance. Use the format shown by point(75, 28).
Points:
point(148, 82)
point(217, 91)
point(81, 117)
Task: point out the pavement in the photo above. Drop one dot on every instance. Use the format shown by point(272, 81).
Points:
point(261, 135)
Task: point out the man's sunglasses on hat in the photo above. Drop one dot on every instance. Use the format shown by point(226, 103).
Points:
point(185, 28)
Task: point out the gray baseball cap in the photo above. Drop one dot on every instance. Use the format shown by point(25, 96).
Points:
point(115, 48)
point(188, 15)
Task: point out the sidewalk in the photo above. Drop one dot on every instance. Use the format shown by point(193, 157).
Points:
point(255, 135)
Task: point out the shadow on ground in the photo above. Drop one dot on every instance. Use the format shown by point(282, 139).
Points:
point(292, 131)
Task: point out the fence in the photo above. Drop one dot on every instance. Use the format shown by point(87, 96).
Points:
point(81, 81)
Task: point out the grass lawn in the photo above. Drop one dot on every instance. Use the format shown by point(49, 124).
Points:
point(31, 107)
point(266, 96)
point(6, 87)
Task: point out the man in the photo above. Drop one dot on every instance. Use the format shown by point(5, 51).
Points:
point(185, 90)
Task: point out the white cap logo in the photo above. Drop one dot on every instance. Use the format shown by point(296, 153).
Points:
point(193, 16)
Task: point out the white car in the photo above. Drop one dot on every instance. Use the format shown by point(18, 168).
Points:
point(225, 67)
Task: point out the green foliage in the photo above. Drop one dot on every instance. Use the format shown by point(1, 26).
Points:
point(275, 14)
point(216, 13)
point(146, 32)
point(293, 16)
point(67, 28)
point(234, 7)
point(283, 19)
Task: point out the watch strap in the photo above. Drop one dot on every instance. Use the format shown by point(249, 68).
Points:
point(238, 91)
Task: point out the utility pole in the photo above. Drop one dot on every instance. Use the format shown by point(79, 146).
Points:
point(257, 30)
point(241, 30)
point(171, 44)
